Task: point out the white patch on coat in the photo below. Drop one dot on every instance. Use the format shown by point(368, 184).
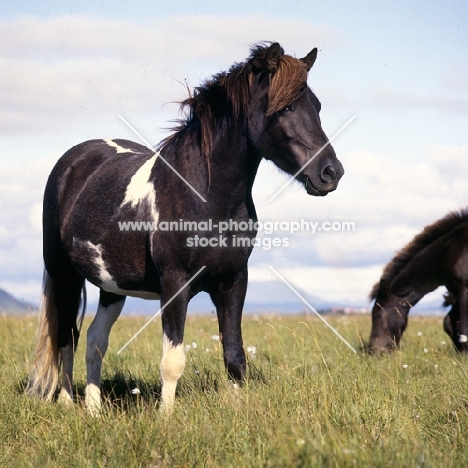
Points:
point(107, 282)
point(172, 366)
point(119, 149)
point(141, 189)
point(104, 275)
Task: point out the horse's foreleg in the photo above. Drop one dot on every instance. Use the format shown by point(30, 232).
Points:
point(451, 324)
point(173, 355)
point(110, 306)
point(229, 302)
point(463, 325)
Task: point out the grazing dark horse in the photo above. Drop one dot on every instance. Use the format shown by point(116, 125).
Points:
point(438, 256)
point(452, 323)
point(261, 108)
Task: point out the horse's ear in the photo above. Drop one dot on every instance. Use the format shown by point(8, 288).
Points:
point(273, 56)
point(267, 60)
point(310, 58)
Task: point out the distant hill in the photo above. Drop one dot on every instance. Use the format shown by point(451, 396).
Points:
point(11, 305)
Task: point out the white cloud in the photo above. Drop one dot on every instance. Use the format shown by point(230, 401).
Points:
point(65, 77)
point(389, 97)
point(35, 217)
point(337, 285)
point(190, 37)
point(389, 199)
point(60, 70)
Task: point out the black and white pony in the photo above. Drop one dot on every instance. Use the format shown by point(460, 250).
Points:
point(261, 108)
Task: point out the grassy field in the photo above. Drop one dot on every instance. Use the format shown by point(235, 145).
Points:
point(308, 401)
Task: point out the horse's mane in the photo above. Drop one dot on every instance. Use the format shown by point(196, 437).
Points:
point(226, 96)
point(428, 235)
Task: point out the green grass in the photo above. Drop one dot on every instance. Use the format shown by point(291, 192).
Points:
point(308, 401)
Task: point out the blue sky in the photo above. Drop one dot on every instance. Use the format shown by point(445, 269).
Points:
point(68, 69)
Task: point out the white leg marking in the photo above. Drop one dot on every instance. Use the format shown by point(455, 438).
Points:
point(172, 366)
point(141, 189)
point(66, 392)
point(463, 339)
point(93, 400)
point(98, 340)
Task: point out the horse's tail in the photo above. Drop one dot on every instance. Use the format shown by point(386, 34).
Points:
point(44, 375)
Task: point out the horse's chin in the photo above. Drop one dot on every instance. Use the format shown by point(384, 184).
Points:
point(312, 190)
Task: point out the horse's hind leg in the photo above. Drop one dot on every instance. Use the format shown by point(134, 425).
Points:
point(110, 306)
point(68, 295)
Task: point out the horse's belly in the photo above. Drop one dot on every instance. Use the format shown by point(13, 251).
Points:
point(124, 274)
point(112, 287)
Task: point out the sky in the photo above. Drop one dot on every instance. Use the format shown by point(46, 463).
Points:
point(68, 69)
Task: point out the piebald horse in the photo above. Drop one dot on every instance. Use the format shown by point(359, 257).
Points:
point(203, 173)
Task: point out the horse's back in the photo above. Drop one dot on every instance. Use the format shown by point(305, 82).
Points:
point(77, 166)
point(83, 203)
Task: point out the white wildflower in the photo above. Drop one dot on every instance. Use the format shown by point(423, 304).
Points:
point(252, 350)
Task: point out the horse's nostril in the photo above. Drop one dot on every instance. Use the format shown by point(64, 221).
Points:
point(328, 174)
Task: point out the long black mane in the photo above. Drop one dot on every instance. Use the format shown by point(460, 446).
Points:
point(225, 96)
point(425, 238)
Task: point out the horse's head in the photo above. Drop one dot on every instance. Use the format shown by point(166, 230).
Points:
point(389, 316)
point(284, 123)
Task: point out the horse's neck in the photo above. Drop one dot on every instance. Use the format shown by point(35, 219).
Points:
point(421, 275)
point(226, 178)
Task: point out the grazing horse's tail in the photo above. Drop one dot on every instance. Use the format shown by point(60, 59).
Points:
point(44, 375)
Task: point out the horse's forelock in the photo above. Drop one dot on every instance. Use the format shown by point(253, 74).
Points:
point(287, 84)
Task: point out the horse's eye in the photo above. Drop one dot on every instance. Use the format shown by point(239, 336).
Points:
point(286, 109)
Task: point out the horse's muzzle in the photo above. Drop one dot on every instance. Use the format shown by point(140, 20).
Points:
point(321, 189)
